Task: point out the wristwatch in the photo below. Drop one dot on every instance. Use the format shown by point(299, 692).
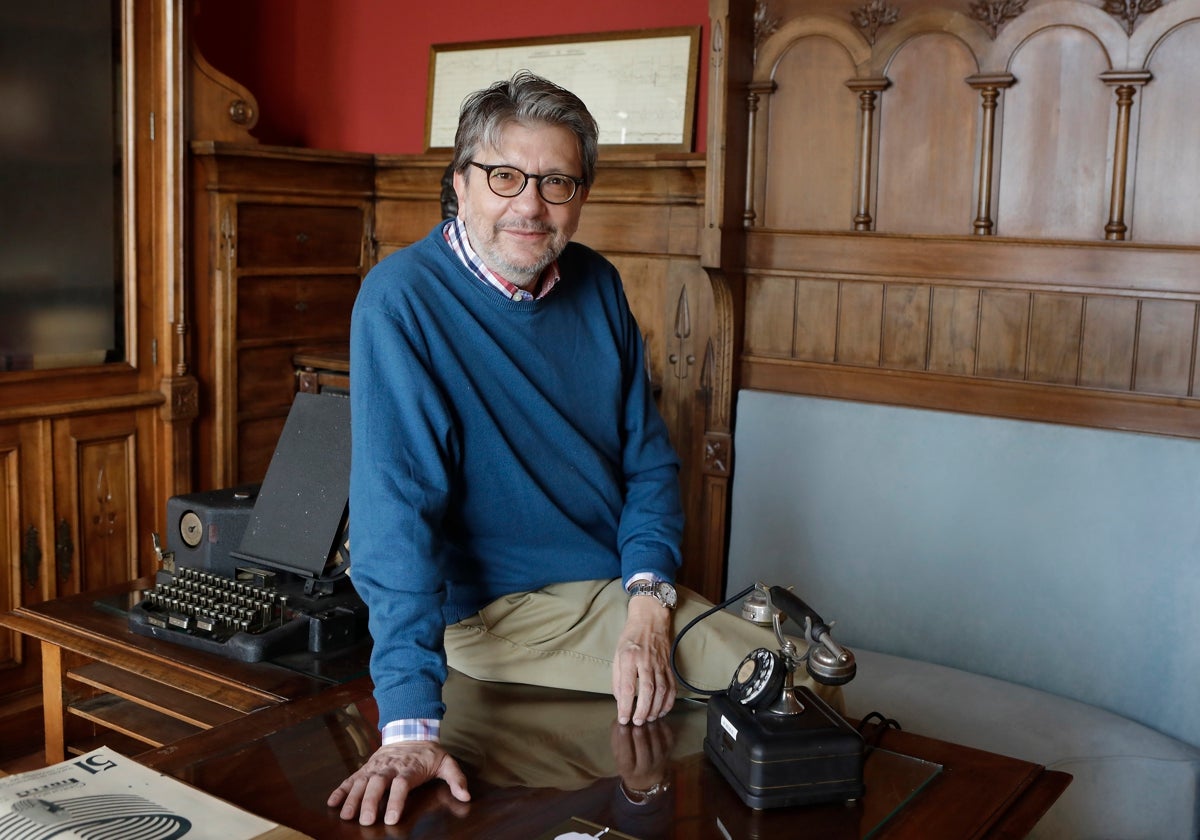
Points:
point(663, 591)
point(641, 797)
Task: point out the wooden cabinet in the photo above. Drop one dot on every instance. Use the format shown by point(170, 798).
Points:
point(91, 444)
point(70, 513)
point(281, 240)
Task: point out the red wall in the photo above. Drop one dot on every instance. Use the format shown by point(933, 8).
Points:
point(352, 75)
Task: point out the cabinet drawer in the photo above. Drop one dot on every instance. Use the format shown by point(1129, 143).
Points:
point(256, 440)
point(305, 308)
point(266, 377)
point(284, 236)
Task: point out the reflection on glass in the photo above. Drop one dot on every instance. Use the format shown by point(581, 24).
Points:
point(892, 781)
point(61, 209)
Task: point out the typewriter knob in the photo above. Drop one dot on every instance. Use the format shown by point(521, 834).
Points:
point(191, 529)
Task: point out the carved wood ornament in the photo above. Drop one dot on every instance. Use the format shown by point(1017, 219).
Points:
point(1128, 11)
point(873, 16)
point(764, 25)
point(993, 14)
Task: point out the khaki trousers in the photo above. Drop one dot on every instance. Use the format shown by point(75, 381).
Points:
point(564, 636)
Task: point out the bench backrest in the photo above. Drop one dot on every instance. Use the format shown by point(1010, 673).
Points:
point(1063, 558)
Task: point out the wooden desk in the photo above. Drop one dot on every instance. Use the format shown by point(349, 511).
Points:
point(142, 692)
point(537, 758)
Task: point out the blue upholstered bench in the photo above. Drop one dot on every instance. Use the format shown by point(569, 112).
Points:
point(1023, 588)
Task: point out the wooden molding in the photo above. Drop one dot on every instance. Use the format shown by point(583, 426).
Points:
point(219, 107)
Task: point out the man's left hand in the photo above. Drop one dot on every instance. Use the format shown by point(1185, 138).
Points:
point(642, 679)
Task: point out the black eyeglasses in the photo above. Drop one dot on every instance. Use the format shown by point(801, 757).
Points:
point(509, 182)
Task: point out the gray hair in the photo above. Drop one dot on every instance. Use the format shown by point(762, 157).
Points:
point(526, 99)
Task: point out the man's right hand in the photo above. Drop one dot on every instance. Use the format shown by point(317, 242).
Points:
point(390, 775)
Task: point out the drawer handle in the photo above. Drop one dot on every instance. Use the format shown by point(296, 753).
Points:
point(301, 306)
point(302, 238)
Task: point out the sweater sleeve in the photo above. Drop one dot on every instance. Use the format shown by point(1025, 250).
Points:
point(651, 528)
point(401, 450)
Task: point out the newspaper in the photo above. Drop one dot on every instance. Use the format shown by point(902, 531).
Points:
point(105, 795)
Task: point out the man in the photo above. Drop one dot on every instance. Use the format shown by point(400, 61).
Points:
point(514, 492)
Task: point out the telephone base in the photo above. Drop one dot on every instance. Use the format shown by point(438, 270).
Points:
point(776, 760)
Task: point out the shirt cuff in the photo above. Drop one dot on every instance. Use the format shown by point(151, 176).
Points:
point(635, 577)
point(412, 729)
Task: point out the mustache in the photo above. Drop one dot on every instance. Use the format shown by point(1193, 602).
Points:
point(527, 226)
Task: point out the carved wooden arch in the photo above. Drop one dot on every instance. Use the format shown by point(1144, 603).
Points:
point(760, 101)
point(940, 22)
point(1089, 19)
point(784, 38)
point(1158, 28)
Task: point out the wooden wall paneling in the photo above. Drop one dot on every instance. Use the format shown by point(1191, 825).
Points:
point(690, 305)
point(1053, 172)
point(1055, 336)
point(927, 136)
point(816, 320)
point(1051, 313)
point(407, 199)
point(1109, 342)
point(905, 341)
point(1165, 204)
point(1116, 268)
point(770, 302)
point(1003, 334)
point(953, 330)
point(643, 214)
point(807, 179)
point(1166, 347)
point(860, 323)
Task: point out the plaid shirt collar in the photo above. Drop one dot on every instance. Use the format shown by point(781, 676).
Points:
point(455, 233)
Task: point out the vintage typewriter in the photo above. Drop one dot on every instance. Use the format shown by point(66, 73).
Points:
point(259, 572)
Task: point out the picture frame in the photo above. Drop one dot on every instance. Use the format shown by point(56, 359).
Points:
point(639, 85)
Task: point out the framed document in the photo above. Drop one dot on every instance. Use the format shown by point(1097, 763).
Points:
point(640, 86)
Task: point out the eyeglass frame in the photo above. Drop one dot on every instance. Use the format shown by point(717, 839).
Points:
point(488, 168)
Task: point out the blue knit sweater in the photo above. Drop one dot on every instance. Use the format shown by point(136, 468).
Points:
point(497, 446)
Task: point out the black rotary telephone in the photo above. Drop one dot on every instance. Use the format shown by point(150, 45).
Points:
point(778, 744)
point(765, 677)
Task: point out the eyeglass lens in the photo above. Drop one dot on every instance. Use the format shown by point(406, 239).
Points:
point(507, 181)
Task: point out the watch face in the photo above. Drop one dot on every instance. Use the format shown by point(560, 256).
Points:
point(666, 593)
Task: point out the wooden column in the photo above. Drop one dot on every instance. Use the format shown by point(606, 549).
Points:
point(868, 91)
point(758, 90)
point(722, 249)
point(1126, 84)
point(989, 87)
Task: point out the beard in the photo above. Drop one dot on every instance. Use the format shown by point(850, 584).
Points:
point(514, 261)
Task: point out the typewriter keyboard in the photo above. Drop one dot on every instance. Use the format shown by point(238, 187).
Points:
point(196, 601)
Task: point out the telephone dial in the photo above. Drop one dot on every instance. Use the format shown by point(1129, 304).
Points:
point(778, 744)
